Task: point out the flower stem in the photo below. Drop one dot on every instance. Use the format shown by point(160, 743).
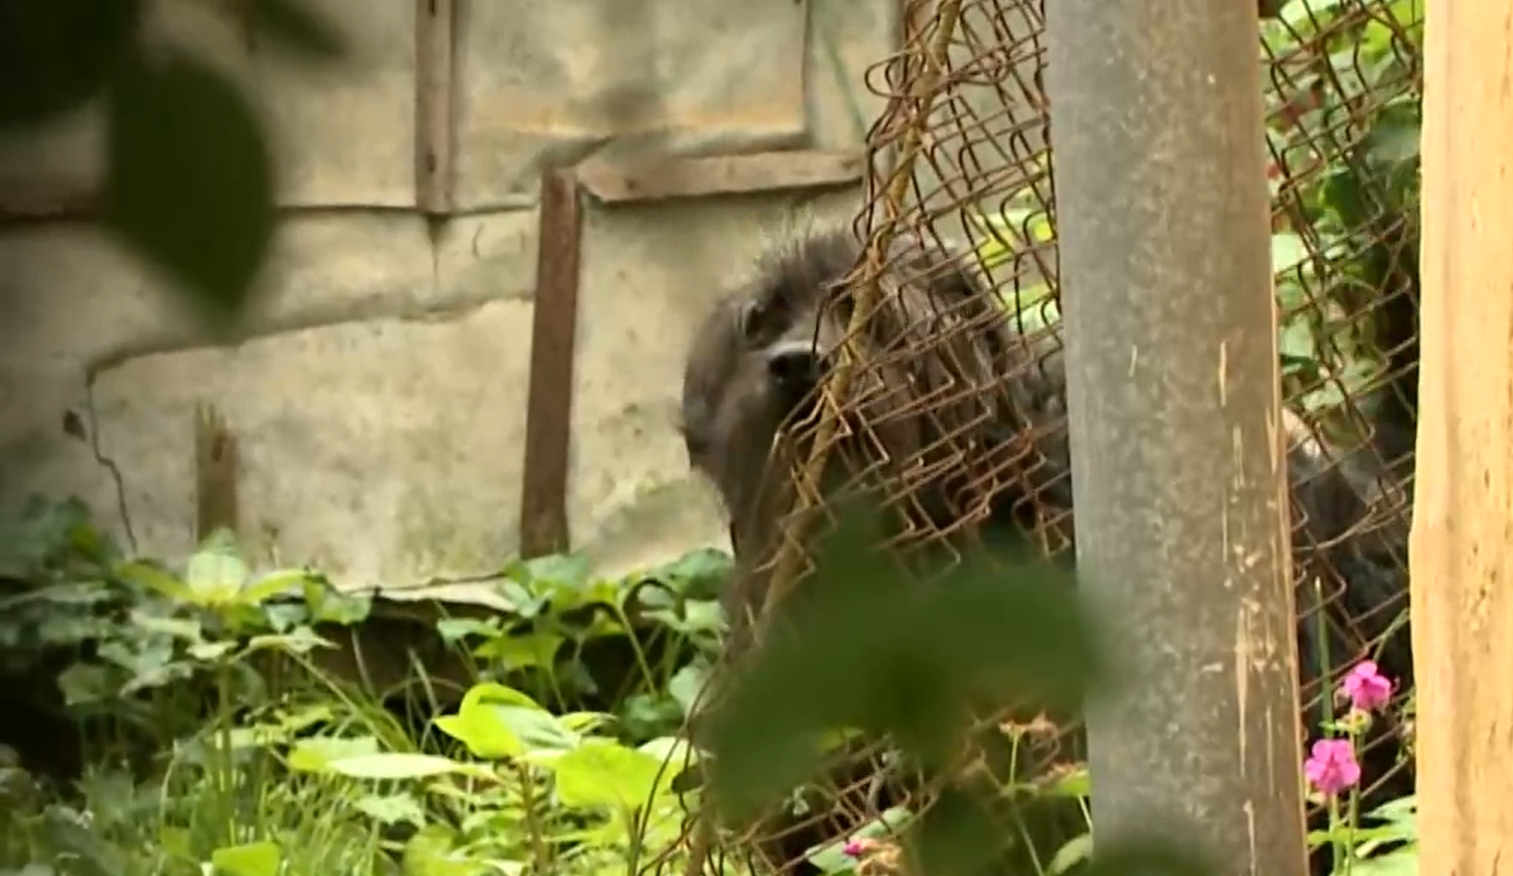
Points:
point(1336, 842)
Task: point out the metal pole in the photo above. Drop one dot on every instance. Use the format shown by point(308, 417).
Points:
point(1173, 397)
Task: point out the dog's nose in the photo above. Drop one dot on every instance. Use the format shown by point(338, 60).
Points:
point(793, 363)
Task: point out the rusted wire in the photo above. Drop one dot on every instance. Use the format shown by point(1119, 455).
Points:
point(834, 395)
point(961, 153)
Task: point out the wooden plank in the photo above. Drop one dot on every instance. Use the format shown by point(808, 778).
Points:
point(21, 204)
point(434, 149)
point(548, 429)
point(661, 178)
point(1460, 556)
point(214, 473)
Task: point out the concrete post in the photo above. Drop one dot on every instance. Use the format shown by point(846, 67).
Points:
point(1174, 403)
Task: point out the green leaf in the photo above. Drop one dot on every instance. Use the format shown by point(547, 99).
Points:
point(1077, 850)
point(545, 574)
point(1399, 862)
point(671, 750)
point(301, 640)
point(315, 754)
point(210, 652)
point(392, 808)
point(190, 181)
point(585, 722)
point(603, 773)
point(328, 606)
point(282, 617)
point(1075, 784)
point(644, 713)
point(401, 766)
point(257, 736)
point(1295, 342)
point(215, 575)
point(536, 649)
point(1301, 14)
point(297, 26)
point(430, 853)
point(84, 683)
point(155, 579)
point(697, 616)
point(1287, 251)
point(832, 858)
point(58, 54)
point(306, 717)
point(455, 629)
point(496, 722)
point(187, 629)
point(686, 684)
point(90, 853)
point(698, 574)
point(1405, 807)
point(1341, 194)
point(522, 602)
point(1395, 138)
point(263, 587)
point(251, 859)
point(178, 842)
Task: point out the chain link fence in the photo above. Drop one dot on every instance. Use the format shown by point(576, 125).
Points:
point(954, 416)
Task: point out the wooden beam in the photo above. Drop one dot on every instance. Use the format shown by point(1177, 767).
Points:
point(548, 429)
point(1460, 555)
point(214, 473)
point(548, 437)
point(662, 178)
point(22, 204)
point(434, 147)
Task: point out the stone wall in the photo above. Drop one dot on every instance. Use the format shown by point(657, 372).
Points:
point(378, 397)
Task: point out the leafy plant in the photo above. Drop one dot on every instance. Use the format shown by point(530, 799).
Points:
point(210, 668)
point(536, 790)
point(860, 647)
point(1344, 116)
point(1343, 121)
point(189, 182)
point(640, 646)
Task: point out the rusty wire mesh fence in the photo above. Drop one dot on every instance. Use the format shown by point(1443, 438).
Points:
point(954, 414)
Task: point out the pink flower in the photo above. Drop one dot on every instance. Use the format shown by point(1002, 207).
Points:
point(856, 847)
point(1366, 687)
point(1331, 766)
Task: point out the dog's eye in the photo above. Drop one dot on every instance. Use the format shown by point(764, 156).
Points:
point(753, 319)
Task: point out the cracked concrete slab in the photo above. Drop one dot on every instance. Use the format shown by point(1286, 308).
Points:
point(381, 451)
point(546, 83)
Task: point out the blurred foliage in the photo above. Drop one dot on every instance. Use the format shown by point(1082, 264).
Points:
point(189, 182)
point(862, 648)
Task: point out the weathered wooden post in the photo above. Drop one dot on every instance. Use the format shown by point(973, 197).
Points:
point(1460, 553)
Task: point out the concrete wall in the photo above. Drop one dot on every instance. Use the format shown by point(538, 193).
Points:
point(379, 395)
